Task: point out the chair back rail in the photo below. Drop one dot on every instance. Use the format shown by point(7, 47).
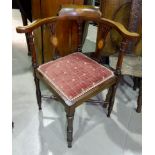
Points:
point(80, 17)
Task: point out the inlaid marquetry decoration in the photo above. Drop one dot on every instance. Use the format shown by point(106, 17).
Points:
point(54, 40)
point(100, 43)
point(103, 32)
point(42, 9)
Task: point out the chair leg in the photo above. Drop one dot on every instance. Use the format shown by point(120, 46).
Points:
point(112, 99)
point(139, 100)
point(135, 81)
point(38, 92)
point(70, 116)
point(107, 100)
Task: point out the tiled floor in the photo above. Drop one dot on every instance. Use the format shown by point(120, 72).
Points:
point(43, 133)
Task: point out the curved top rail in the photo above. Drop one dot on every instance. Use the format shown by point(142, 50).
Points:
point(79, 16)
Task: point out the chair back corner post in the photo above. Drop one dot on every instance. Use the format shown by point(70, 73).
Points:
point(32, 49)
point(35, 66)
point(102, 32)
point(122, 50)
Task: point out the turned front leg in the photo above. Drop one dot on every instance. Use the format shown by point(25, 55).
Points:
point(112, 99)
point(38, 92)
point(107, 100)
point(70, 116)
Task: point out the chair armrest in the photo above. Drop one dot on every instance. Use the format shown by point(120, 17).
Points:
point(34, 25)
point(121, 29)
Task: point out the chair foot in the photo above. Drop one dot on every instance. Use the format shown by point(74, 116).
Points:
point(38, 92)
point(138, 110)
point(110, 108)
point(107, 100)
point(70, 116)
point(108, 115)
point(109, 111)
point(40, 108)
point(12, 125)
point(135, 81)
point(29, 53)
point(112, 99)
point(69, 144)
point(139, 100)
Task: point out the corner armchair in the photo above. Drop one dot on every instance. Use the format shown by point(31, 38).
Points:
point(74, 77)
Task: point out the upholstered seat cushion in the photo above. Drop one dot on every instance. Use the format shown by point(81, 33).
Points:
point(74, 75)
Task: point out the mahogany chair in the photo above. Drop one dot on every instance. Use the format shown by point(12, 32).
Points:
point(74, 78)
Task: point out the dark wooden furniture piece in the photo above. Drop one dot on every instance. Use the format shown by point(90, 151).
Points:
point(12, 125)
point(74, 78)
point(129, 13)
point(139, 99)
point(24, 7)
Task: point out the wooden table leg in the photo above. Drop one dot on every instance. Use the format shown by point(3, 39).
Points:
point(24, 19)
point(139, 100)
